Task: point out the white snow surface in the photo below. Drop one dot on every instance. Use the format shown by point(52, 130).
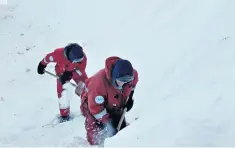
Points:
point(183, 50)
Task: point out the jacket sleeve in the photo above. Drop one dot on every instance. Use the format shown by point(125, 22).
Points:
point(97, 100)
point(50, 57)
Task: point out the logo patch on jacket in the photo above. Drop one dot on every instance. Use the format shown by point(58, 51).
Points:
point(51, 58)
point(99, 99)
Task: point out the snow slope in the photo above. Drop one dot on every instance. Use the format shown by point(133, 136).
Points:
point(183, 51)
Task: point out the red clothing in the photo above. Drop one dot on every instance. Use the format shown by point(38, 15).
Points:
point(63, 64)
point(94, 109)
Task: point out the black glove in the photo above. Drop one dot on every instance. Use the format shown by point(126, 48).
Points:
point(130, 102)
point(66, 76)
point(41, 68)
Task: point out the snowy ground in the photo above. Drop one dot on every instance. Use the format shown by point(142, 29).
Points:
point(184, 51)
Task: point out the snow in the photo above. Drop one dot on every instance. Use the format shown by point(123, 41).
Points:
point(183, 51)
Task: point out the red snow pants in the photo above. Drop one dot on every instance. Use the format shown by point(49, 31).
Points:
point(65, 111)
point(94, 128)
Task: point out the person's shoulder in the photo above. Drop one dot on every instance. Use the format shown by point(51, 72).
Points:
point(99, 76)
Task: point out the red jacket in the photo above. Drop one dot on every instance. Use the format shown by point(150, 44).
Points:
point(101, 85)
point(63, 64)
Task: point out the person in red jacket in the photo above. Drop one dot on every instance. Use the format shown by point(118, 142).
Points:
point(105, 96)
point(71, 63)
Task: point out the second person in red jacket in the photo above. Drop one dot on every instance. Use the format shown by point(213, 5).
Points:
point(105, 96)
point(71, 63)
